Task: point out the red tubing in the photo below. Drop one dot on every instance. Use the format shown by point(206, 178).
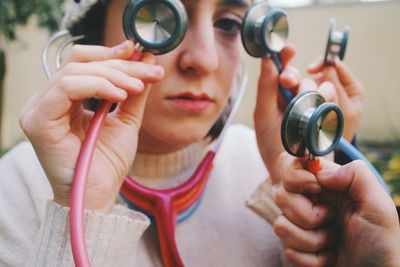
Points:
point(166, 204)
point(77, 233)
point(313, 165)
point(78, 243)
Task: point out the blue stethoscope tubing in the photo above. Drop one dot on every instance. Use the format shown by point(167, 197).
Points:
point(354, 154)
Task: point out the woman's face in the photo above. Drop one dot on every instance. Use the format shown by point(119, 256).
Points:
point(182, 107)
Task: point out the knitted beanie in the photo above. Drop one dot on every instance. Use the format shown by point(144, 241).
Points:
point(75, 11)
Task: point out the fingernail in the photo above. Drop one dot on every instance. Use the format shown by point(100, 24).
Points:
point(156, 71)
point(122, 93)
point(312, 188)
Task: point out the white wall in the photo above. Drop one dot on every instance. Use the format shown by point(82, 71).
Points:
point(373, 54)
point(24, 77)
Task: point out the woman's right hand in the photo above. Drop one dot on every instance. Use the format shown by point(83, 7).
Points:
point(56, 123)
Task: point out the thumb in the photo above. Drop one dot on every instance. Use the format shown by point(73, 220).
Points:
point(267, 92)
point(358, 181)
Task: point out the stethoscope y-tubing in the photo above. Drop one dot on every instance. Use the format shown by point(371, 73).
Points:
point(352, 152)
point(166, 204)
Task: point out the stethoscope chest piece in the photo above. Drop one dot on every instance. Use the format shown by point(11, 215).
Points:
point(311, 125)
point(264, 30)
point(337, 43)
point(158, 25)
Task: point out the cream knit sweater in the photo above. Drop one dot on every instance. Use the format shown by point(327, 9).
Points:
point(222, 231)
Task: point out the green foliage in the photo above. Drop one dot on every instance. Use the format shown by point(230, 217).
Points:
point(14, 13)
point(386, 160)
point(392, 176)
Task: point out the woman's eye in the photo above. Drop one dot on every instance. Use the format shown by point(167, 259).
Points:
point(229, 26)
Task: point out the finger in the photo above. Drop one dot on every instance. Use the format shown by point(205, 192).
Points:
point(330, 74)
point(303, 259)
point(316, 66)
point(287, 54)
point(290, 77)
point(359, 182)
point(300, 209)
point(345, 75)
point(295, 178)
point(307, 85)
point(322, 73)
point(89, 53)
point(345, 81)
point(300, 239)
point(58, 100)
point(348, 80)
point(148, 73)
point(131, 111)
point(132, 83)
point(267, 92)
point(327, 90)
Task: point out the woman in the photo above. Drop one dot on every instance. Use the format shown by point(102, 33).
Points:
point(157, 136)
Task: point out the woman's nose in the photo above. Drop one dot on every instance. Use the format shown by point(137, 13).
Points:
point(199, 49)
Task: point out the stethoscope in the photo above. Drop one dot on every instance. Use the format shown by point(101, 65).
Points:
point(310, 127)
point(337, 43)
point(158, 26)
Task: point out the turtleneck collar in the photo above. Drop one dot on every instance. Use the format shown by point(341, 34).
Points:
point(163, 171)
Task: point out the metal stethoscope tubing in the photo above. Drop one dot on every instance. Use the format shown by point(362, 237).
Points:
point(265, 33)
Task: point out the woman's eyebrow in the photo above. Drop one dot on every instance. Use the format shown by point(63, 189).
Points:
point(236, 3)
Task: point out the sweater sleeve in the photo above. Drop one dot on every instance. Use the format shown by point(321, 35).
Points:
point(34, 231)
point(262, 201)
point(111, 239)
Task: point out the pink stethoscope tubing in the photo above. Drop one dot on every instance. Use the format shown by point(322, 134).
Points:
point(166, 204)
point(77, 206)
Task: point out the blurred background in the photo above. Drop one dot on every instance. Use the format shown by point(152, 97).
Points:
point(373, 54)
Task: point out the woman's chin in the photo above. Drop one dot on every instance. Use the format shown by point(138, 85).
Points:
point(169, 141)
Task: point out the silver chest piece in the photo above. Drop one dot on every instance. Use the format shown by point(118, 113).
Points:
point(337, 43)
point(264, 30)
point(157, 25)
point(311, 125)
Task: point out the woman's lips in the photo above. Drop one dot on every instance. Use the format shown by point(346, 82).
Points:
point(191, 102)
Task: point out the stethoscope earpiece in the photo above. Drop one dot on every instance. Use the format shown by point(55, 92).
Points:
point(264, 30)
point(311, 125)
point(337, 43)
point(157, 25)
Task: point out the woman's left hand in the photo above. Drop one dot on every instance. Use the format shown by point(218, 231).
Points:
point(270, 105)
point(335, 82)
